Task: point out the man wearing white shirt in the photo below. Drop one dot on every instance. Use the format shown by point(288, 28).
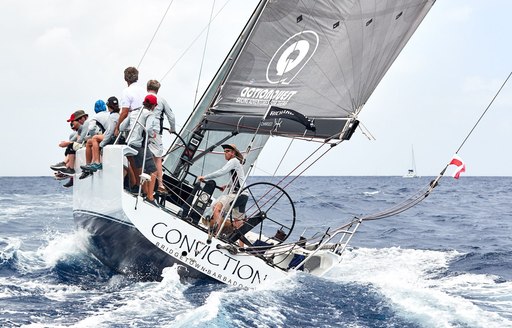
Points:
point(131, 102)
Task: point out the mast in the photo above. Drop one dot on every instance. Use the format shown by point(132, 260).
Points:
point(413, 160)
point(180, 158)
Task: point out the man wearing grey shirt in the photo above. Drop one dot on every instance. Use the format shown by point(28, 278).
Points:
point(156, 144)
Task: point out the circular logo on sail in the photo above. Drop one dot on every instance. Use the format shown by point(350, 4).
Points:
point(291, 57)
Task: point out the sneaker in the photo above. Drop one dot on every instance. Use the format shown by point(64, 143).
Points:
point(85, 174)
point(86, 167)
point(95, 167)
point(134, 189)
point(60, 176)
point(58, 166)
point(187, 218)
point(67, 171)
point(152, 202)
point(162, 190)
point(69, 183)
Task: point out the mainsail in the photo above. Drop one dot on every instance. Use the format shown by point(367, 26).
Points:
point(321, 59)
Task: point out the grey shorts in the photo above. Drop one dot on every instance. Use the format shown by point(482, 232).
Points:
point(139, 158)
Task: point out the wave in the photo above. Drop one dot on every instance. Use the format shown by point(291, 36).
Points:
point(421, 287)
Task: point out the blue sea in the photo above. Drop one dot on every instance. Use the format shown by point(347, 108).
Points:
point(445, 263)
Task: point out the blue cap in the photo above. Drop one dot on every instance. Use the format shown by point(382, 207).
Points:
point(100, 106)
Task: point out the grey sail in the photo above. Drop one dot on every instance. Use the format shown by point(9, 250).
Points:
point(319, 60)
point(322, 59)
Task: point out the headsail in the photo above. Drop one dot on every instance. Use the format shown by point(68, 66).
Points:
point(322, 59)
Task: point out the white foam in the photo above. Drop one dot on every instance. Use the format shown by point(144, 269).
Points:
point(60, 246)
point(143, 304)
point(411, 281)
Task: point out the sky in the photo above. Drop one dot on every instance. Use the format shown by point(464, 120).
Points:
point(60, 56)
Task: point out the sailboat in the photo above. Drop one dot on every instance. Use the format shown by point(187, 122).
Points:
point(412, 173)
point(298, 70)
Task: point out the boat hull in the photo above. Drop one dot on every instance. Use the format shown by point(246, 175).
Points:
point(121, 247)
point(139, 239)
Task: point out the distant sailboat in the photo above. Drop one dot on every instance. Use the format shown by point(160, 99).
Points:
point(411, 173)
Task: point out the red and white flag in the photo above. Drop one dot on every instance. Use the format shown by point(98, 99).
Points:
point(461, 166)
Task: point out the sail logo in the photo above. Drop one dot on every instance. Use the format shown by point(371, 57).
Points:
point(291, 57)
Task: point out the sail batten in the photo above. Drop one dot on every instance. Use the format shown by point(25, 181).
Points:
point(322, 59)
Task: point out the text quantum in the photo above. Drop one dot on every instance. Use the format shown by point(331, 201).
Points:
point(261, 96)
point(182, 247)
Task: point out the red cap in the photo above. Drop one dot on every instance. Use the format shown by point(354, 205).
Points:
point(151, 99)
point(71, 118)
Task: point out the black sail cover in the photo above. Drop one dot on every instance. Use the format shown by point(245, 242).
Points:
point(319, 58)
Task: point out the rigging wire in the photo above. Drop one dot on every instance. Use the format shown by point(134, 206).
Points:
point(204, 53)
point(418, 197)
point(481, 116)
point(409, 202)
point(154, 34)
point(283, 157)
point(193, 42)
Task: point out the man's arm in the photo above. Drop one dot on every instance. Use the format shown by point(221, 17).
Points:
point(170, 115)
point(230, 165)
point(122, 116)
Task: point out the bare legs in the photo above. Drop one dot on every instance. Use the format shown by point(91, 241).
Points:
point(149, 186)
point(159, 173)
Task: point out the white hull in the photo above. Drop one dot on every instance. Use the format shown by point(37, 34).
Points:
point(137, 238)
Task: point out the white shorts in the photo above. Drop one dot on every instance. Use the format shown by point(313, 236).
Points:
point(156, 146)
point(226, 201)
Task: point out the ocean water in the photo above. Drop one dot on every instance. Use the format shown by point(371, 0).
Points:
point(444, 263)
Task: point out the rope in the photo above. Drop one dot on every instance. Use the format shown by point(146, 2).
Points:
point(421, 195)
point(151, 41)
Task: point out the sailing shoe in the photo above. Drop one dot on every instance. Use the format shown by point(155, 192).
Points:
point(60, 176)
point(85, 174)
point(58, 166)
point(95, 167)
point(152, 202)
point(162, 190)
point(67, 171)
point(98, 166)
point(69, 183)
point(134, 190)
point(86, 167)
